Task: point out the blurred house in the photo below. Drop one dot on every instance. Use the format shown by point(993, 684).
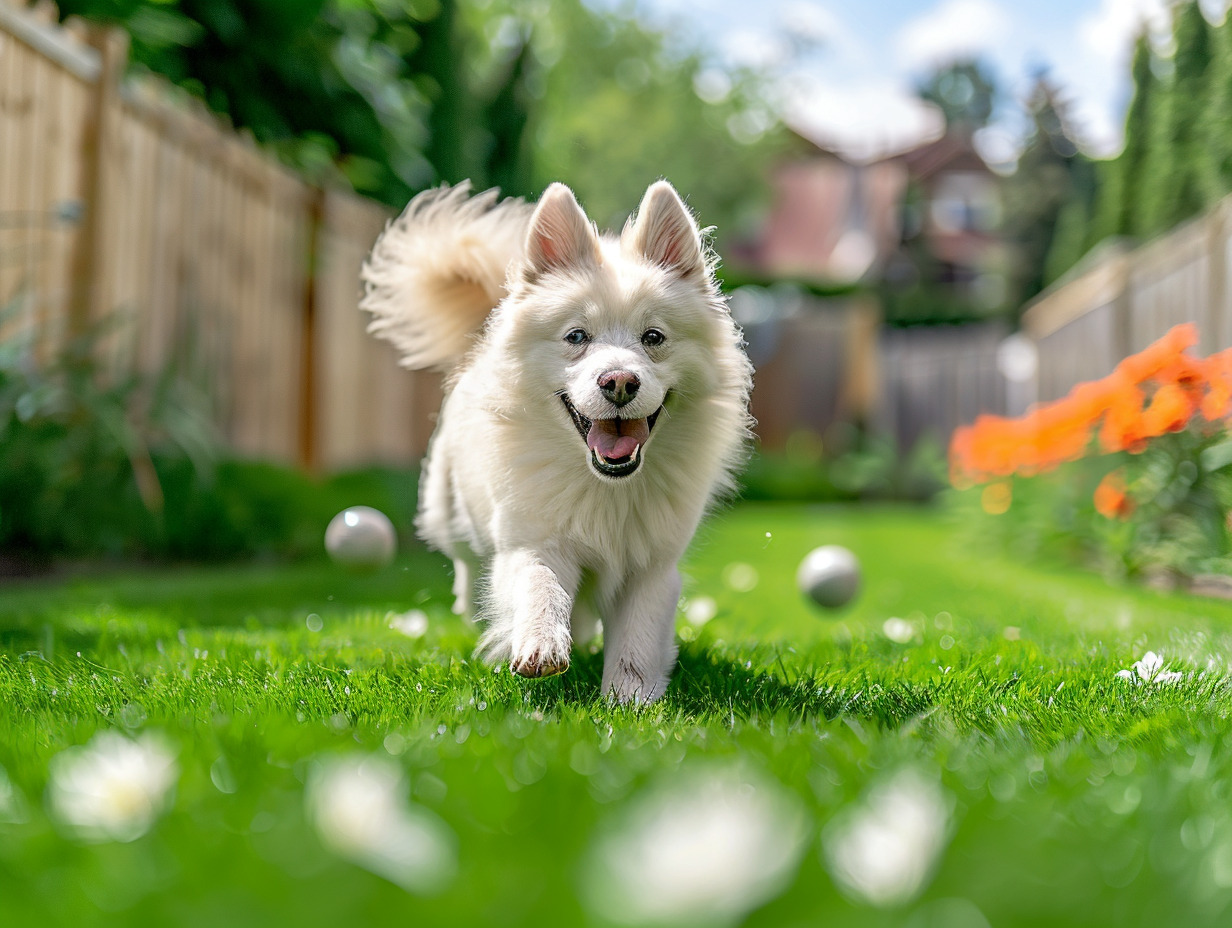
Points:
point(921, 228)
point(909, 239)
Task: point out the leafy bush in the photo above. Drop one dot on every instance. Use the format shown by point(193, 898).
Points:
point(78, 443)
point(1131, 473)
point(94, 464)
point(872, 469)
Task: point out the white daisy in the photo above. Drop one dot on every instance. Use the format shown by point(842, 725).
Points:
point(884, 850)
point(707, 847)
point(114, 788)
point(1150, 669)
point(359, 809)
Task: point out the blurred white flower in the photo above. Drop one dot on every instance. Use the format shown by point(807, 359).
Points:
point(1150, 670)
point(884, 850)
point(113, 788)
point(700, 610)
point(898, 630)
point(359, 809)
point(413, 624)
point(740, 577)
point(709, 846)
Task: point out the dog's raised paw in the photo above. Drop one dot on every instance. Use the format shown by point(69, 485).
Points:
point(537, 664)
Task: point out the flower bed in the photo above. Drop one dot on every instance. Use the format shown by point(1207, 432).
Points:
point(1130, 472)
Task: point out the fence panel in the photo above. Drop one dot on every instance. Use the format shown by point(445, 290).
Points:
point(125, 200)
point(1127, 299)
point(370, 408)
point(934, 379)
point(46, 85)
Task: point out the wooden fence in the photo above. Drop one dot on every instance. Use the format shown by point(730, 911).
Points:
point(827, 362)
point(1123, 299)
point(123, 199)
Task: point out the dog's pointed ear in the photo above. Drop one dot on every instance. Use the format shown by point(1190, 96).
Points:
point(560, 236)
point(664, 232)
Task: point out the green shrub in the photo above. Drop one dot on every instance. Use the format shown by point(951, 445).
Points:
point(98, 465)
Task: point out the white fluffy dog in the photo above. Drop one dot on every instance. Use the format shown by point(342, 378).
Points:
point(596, 404)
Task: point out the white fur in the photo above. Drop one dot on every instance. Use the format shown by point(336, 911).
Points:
point(508, 488)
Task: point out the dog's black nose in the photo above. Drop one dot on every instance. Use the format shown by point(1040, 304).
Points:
point(619, 386)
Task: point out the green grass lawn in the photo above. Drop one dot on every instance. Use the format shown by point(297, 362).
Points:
point(1047, 790)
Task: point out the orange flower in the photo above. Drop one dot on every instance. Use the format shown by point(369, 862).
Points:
point(1217, 403)
point(1115, 407)
point(1156, 357)
point(1170, 411)
point(1122, 429)
point(1111, 500)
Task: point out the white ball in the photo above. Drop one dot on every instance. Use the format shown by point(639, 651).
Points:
point(829, 575)
point(361, 537)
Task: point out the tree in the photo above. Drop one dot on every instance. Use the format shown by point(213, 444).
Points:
point(1120, 178)
point(1172, 186)
point(383, 96)
point(1217, 120)
point(1051, 172)
point(965, 92)
point(617, 107)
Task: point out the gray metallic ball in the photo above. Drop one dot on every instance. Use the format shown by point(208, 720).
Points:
point(830, 576)
point(362, 538)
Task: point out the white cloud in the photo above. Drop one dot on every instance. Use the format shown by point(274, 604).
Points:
point(1109, 31)
point(1098, 74)
point(813, 22)
point(862, 119)
point(954, 29)
point(754, 48)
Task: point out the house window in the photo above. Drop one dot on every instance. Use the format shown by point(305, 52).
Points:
point(965, 202)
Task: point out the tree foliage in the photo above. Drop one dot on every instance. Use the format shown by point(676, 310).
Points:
point(1172, 186)
point(1177, 159)
point(965, 92)
point(618, 105)
point(1052, 177)
point(393, 97)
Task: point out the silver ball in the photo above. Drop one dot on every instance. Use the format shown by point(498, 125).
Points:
point(829, 575)
point(361, 537)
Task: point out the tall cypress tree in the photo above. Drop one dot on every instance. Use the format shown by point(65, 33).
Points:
point(1050, 173)
point(1217, 120)
point(1172, 187)
point(1120, 179)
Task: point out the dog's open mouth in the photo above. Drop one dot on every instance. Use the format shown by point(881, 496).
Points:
point(615, 445)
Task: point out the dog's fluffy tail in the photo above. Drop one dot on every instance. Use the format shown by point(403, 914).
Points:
point(439, 269)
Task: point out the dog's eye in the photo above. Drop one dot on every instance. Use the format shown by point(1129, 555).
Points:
point(652, 338)
point(577, 337)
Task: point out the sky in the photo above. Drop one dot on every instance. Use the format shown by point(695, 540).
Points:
point(845, 69)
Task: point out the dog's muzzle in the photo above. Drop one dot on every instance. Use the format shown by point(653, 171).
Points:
point(616, 446)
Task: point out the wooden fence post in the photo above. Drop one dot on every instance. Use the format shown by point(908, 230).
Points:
point(309, 388)
point(90, 262)
point(1217, 284)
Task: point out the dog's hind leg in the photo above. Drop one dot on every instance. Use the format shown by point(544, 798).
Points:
point(639, 641)
point(528, 607)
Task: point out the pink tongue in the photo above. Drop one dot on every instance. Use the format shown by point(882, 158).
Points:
point(617, 438)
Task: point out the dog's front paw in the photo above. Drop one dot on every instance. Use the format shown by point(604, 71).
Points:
point(540, 664)
point(543, 654)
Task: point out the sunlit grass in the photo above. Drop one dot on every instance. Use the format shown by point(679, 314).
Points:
point(1072, 797)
